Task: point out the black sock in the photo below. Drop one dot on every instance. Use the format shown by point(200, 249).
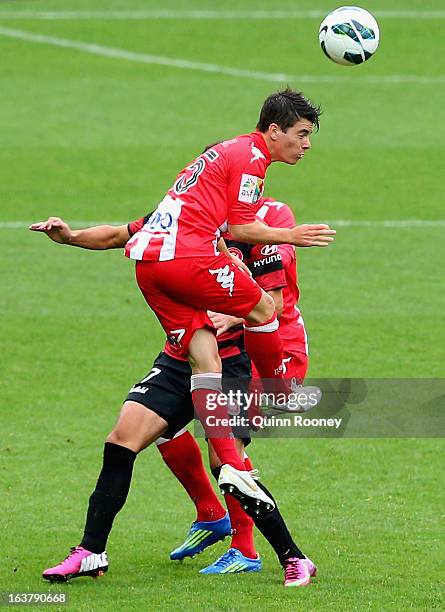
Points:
point(109, 495)
point(216, 472)
point(273, 528)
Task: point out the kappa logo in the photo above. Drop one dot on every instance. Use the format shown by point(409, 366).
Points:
point(269, 249)
point(225, 277)
point(256, 154)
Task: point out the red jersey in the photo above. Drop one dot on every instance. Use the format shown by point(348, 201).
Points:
point(278, 214)
point(221, 186)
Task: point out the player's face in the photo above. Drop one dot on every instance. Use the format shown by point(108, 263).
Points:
point(290, 146)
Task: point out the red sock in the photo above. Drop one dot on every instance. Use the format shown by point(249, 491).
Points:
point(242, 528)
point(183, 457)
point(265, 347)
point(248, 464)
point(205, 400)
point(242, 524)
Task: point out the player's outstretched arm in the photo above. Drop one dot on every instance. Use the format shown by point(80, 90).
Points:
point(99, 237)
point(301, 235)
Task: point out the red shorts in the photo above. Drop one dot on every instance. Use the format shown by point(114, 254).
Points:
point(180, 292)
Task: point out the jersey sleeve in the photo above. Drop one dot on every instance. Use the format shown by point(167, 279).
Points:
point(266, 265)
point(287, 252)
point(246, 186)
point(135, 226)
point(286, 217)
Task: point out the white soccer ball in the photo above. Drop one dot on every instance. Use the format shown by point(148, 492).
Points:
point(349, 35)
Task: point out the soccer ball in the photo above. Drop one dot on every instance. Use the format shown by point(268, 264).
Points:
point(349, 35)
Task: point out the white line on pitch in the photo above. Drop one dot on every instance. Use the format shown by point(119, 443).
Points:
point(145, 58)
point(388, 223)
point(394, 223)
point(203, 14)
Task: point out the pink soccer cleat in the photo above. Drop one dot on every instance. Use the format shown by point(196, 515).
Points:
point(80, 562)
point(296, 572)
point(312, 568)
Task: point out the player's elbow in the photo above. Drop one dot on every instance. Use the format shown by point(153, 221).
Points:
point(117, 238)
point(239, 232)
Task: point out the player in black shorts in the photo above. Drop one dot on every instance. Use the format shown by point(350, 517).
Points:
point(167, 393)
point(157, 406)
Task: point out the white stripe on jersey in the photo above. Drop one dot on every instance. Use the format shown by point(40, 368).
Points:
point(263, 210)
point(169, 246)
point(137, 251)
point(163, 223)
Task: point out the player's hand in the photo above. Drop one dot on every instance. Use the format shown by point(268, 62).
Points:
point(307, 235)
point(223, 322)
point(55, 228)
point(239, 264)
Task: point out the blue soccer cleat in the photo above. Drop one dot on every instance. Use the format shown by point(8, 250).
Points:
point(233, 562)
point(202, 535)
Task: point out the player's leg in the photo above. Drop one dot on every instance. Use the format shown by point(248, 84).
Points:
point(176, 291)
point(217, 284)
point(190, 334)
point(262, 339)
point(136, 428)
point(183, 456)
point(206, 389)
point(236, 377)
point(242, 524)
point(298, 569)
point(242, 555)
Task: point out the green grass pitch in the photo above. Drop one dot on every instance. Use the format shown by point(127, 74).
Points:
point(94, 138)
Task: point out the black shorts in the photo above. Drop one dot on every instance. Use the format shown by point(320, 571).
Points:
point(166, 389)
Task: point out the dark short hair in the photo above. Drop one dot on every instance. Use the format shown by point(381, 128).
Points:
point(285, 108)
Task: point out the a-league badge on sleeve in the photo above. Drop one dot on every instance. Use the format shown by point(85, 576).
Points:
point(251, 188)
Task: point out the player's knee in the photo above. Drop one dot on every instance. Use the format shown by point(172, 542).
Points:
point(263, 311)
point(118, 437)
point(128, 438)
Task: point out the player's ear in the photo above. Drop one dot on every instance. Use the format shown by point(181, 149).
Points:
point(273, 131)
